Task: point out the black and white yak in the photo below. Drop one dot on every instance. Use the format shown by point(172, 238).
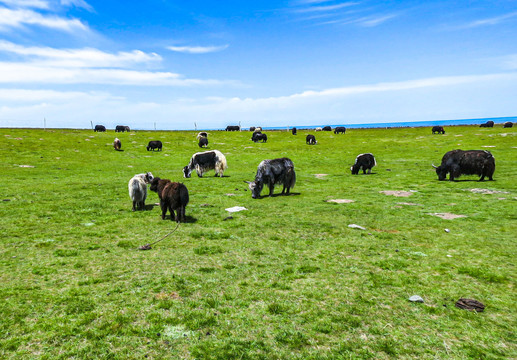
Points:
point(272, 172)
point(203, 142)
point(438, 129)
point(340, 130)
point(156, 144)
point(99, 128)
point(201, 134)
point(205, 161)
point(365, 162)
point(117, 144)
point(137, 187)
point(310, 139)
point(258, 136)
point(173, 197)
point(466, 162)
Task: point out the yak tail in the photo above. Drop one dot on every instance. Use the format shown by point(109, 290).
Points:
point(184, 198)
point(291, 176)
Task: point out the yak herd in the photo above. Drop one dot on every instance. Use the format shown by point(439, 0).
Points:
point(174, 196)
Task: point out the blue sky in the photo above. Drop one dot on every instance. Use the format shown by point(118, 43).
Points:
point(262, 63)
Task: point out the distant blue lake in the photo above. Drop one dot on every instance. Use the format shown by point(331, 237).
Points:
point(498, 120)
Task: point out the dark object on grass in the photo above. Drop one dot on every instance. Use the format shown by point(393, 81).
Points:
point(173, 197)
point(438, 129)
point(156, 144)
point(310, 139)
point(326, 128)
point(228, 218)
point(365, 162)
point(469, 162)
point(488, 124)
point(203, 142)
point(340, 130)
point(508, 124)
point(271, 172)
point(470, 304)
point(293, 131)
point(145, 247)
point(99, 128)
point(117, 144)
point(148, 246)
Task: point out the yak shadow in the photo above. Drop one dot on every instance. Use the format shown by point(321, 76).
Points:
point(279, 194)
point(119, 150)
point(150, 206)
point(188, 219)
point(467, 180)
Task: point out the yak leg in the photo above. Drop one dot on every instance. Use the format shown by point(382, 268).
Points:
point(271, 188)
point(142, 205)
point(134, 205)
point(163, 205)
point(369, 170)
point(364, 170)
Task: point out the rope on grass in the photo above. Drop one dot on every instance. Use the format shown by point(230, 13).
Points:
point(149, 246)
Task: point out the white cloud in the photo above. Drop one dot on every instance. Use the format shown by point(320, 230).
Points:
point(490, 21)
point(18, 73)
point(415, 100)
point(10, 18)
point(325, 8)
point(80, 57)
point(197, 49)
point(77, 3)
point(37, 4)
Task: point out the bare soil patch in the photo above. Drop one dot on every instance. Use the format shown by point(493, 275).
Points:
point(341, 201)
point(320, 176)
point(398, 193)
point(409, 204)
point(447, 216)
point(487, 191)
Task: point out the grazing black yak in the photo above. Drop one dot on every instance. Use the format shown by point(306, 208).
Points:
point(364, 161)
point(310, 140)
point(438, 129)
point(272, 172)
point(173, 196)
point(157, 144)
point(469, 162)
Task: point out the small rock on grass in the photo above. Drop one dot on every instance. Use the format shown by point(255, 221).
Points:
point(416, 298)
point(355, 226)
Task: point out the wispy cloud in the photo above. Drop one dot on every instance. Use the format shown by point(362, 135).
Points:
point(85, 58)
point(36, 4)
point(490, 21)
point(197, 49)
point(16, 18)
point(325, 8)
point(77, 3)
point(328, 12)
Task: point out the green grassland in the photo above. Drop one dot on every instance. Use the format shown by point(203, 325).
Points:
point(285, 279)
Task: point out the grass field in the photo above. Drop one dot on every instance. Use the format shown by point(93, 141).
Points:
point(286, 279)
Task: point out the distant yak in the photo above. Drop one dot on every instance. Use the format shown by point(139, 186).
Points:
point(438, 129)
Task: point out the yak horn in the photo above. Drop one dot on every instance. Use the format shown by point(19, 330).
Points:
point(433, 165)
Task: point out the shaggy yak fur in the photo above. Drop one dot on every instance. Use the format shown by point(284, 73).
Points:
point(438, 129)
point(117, 144)
point(340, 130)
point(469, 162)
point(205, 161)
point(137, 187)
point(364, 161)
point(272, 172)
point(203, 142)
point(173, 196)
point(310, 139)
point(156, 144)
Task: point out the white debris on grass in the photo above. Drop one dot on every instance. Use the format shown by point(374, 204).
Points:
point(26, 166)
point(355, 226)
point(341, 201)
point(236, 209)
point(447, 216)
point(416, 298)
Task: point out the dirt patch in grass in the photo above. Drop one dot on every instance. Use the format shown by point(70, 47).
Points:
point(341, 201)
point(409, 204)
point(398, 193)
point(447, 216)
point(487, 191)
point(320, 176)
